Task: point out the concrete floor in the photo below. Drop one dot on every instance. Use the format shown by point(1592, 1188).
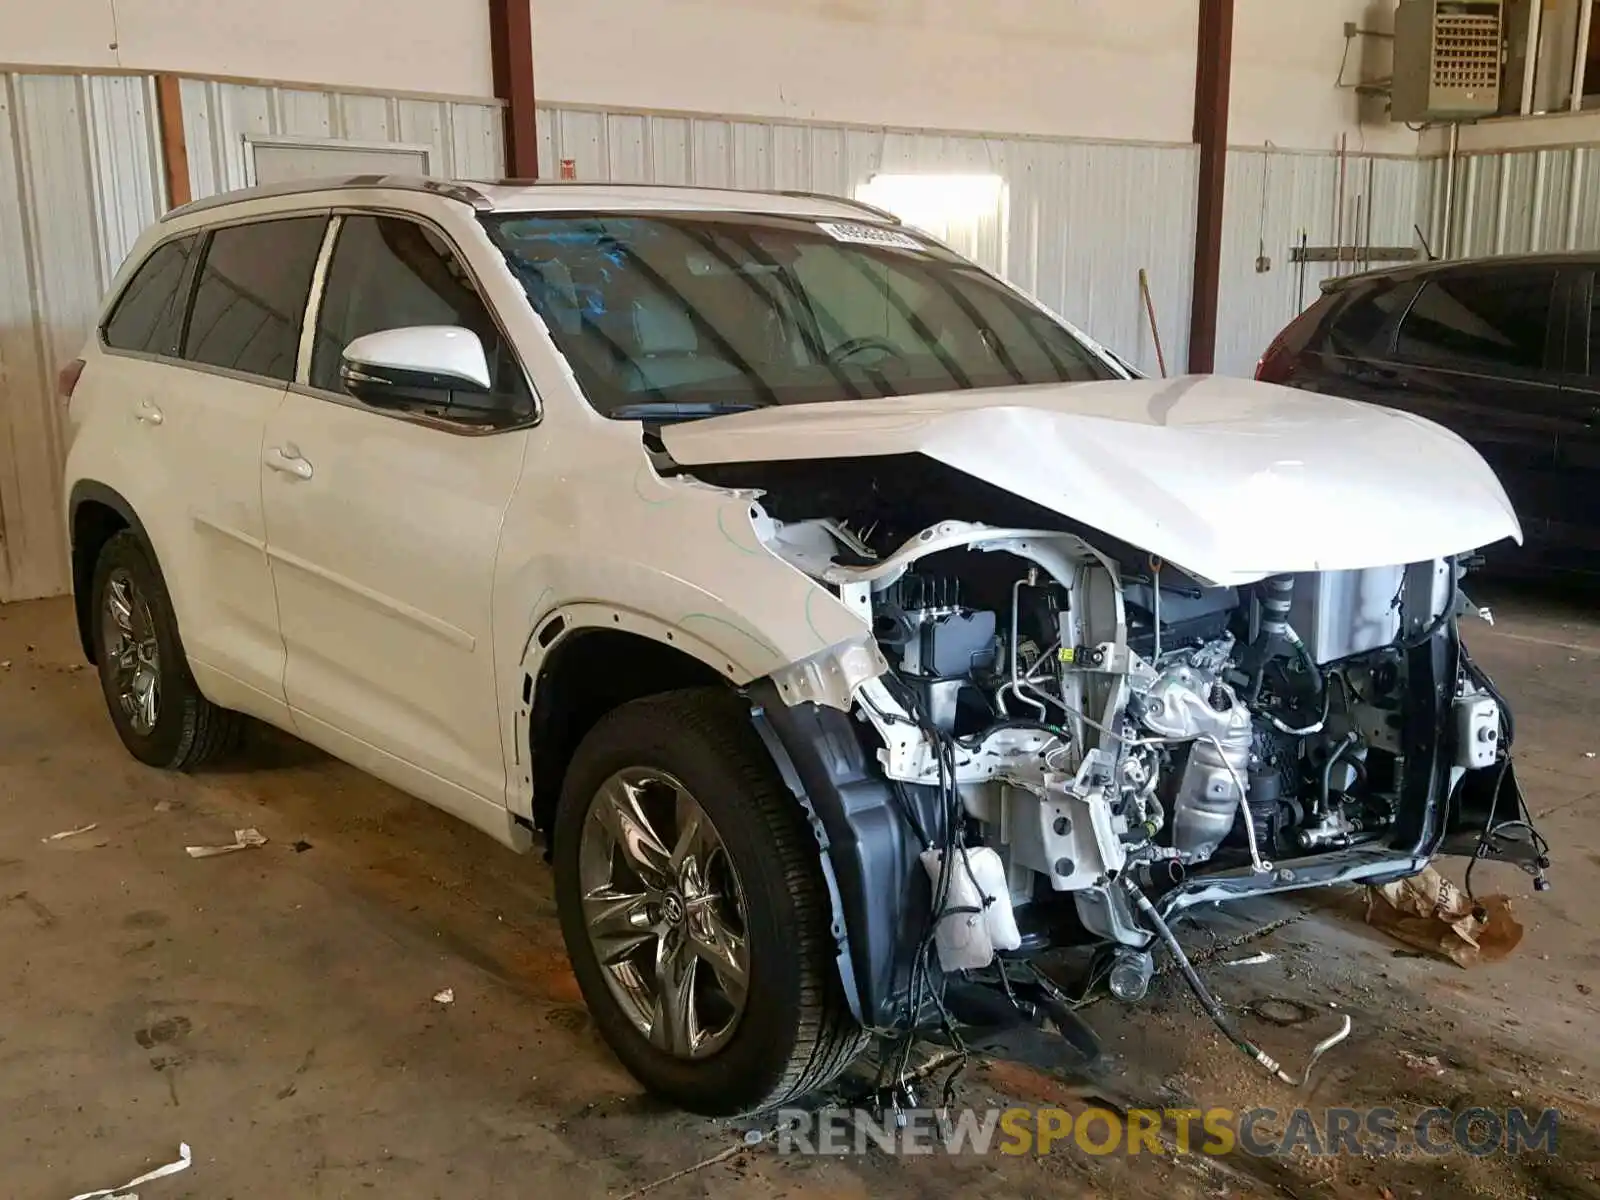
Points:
point(273, 1008)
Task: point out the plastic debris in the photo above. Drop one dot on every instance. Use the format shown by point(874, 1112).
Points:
point(1255, 960)
point(1433, 914)
point(1589, 754)
point(1423, 1062)
point(243, 839)
point(185, 1157)
point(66, 833)
point(448, 996)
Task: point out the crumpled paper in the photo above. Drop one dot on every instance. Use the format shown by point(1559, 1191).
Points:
point(243, 839)
point(1433, 914)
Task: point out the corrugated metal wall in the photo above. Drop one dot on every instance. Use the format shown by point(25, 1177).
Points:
point(79, 179)
point(1273, 198)
point(465, 138)
point(1081, 217)
point(1516, 203)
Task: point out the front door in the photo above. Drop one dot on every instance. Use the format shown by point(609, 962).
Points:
point(383, 527)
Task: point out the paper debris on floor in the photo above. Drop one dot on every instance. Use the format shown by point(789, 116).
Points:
point(243, 839)
point(448, 996)
point(66, 833)
point(185, 1157)
point(1433, 914)
point(1255, 960)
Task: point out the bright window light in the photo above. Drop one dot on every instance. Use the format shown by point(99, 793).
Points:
point(935, 203)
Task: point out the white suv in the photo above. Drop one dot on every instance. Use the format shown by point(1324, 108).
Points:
point(853, 627)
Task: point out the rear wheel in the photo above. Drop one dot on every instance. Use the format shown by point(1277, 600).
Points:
point(154, 702)
point(694, 909)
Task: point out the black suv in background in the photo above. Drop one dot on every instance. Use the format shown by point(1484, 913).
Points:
point(1504, 351)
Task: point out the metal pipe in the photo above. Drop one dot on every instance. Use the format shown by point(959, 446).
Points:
point(1469, 203)
point(1575, 197)
point(1541, 171)
point(1530, 64)
point(1502, 213)
point(1324, 801)
point(1580, 64)
point(1446, 241)
point(1372, 187)
point(1338, 214)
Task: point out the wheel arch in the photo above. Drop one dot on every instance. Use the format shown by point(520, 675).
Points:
point(96, 513)
point(582, 662)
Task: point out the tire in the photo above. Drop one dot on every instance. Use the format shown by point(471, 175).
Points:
point(795, 1033)
point(188, 730)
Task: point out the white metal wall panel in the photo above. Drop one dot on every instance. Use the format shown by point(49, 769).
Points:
point(79, 179)
point(1519, 202)
point(1275, 197)
point(1081, 217)
point(464, 139)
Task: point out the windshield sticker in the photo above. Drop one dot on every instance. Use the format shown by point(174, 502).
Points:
point(870, 235)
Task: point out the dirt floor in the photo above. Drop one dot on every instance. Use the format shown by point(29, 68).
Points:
point(275, 1008)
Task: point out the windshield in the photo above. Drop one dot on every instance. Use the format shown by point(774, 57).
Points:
point(692, 315)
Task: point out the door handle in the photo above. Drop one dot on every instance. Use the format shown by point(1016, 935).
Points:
point(287, 460)
point(148, 413)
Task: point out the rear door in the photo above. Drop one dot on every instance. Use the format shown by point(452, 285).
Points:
point(199, 377)
point(1480, 352)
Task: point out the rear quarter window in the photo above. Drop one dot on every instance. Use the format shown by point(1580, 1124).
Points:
point(148, 316)
point(1363, 325)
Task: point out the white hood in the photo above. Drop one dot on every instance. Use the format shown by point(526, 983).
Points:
point(1229, 479)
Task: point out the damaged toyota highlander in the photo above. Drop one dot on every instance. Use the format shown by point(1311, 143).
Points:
point(851, 629)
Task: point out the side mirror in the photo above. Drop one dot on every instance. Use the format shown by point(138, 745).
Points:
point(421, 366)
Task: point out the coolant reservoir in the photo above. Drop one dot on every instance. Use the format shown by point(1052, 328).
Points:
point(977, 918)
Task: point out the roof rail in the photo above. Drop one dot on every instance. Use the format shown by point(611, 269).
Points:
point(344, 183)
point(873, 210)
point(883, 214)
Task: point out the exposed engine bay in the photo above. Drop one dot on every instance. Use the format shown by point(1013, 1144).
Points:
point(1092, 741)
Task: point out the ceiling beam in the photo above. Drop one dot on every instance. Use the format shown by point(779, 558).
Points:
point(511, 51)
point(1212, 87)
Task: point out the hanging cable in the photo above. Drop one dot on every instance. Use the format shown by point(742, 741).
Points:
point(1214, 1009)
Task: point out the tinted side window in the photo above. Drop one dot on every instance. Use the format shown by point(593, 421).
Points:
point(150, 311)
point(1362, 327)
point(1499, 320)
point(252, 296)
point(388, 273)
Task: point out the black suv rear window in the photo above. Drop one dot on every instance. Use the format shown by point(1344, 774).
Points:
point(1495, 319)
point(1363, 325)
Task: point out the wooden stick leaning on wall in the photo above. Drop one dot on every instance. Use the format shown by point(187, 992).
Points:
point(1150, 311)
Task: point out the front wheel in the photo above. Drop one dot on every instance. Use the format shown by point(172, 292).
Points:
point(694, 909)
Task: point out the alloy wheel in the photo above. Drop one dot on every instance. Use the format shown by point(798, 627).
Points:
point(665, 912)
point(128, 634)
